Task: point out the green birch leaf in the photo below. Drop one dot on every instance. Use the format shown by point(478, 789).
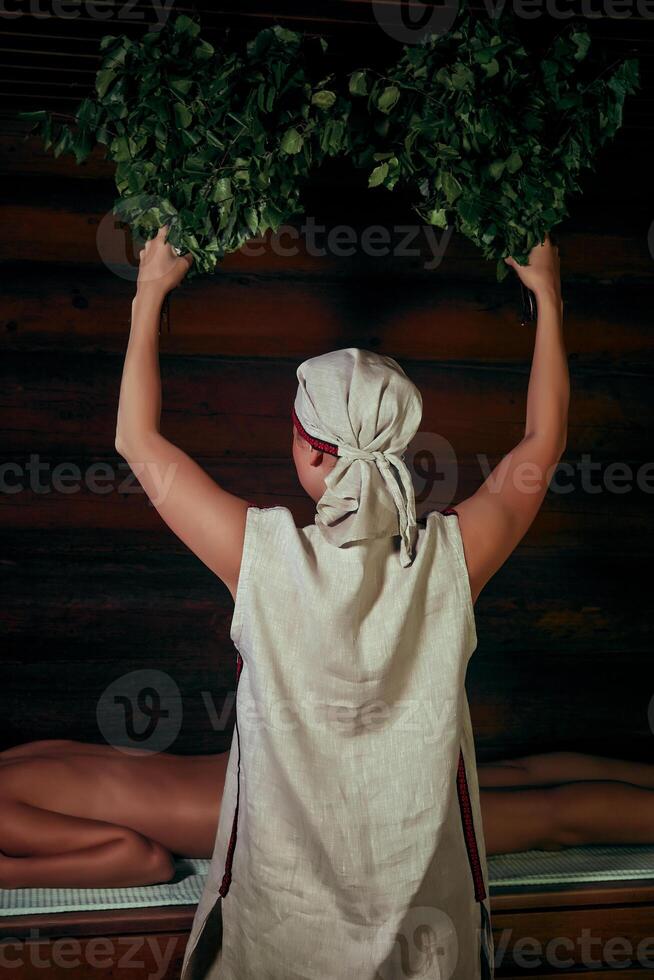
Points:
point(203, 51)
point(388, 98)
point(181, 85)
point(324, 99)
point(251, 219)
point(483, 55)
point(358, 83)
point(183, 117)
point(291, 141)
point(581, 39)
point(63, 143)
point(103, 80)
point(378, 175)
point(513, 162)
point(438, 218)
point(108, 40)
point(82, 146)
point(462, 77)
point(185, 26)
point(451, 187)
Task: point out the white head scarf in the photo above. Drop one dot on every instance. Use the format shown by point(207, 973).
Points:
point(361, 407)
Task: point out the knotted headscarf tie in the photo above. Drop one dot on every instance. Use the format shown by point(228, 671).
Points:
point(361, 407)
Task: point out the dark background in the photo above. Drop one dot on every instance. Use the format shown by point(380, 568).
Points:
point(95, 586)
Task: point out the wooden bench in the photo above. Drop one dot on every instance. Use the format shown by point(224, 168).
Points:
point(581, 929)
point(539, 932)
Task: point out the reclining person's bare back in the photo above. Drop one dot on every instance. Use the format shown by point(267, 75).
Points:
point(80, 814)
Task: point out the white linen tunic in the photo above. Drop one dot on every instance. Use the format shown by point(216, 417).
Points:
point(350, 843)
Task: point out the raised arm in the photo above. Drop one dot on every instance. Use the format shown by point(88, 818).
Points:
point(495, 518)
point(208, 519)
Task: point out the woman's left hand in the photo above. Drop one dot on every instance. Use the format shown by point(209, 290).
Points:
point(160, 268)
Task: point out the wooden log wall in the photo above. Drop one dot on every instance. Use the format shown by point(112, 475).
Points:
point(95, 586)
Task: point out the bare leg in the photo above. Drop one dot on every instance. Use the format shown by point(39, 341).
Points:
point(43, 848)
point(554, 768)
point(551, 818)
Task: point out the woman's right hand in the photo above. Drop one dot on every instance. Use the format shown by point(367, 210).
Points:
point(543, 271)
point(160, 268)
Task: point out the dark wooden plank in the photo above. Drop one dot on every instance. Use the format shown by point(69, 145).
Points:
point(128, 957)
point(69, 697)
point(100, 922)
point(550, 938)
point(564, 699)
point(261, 306)
point(21, 153)
point(70, 400)
point(100, 493)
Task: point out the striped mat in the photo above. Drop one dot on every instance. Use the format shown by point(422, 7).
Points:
point(574, 864)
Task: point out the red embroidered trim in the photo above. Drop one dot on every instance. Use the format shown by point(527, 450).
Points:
point(469, 830)
point(450, 510)
point(227, 876)
point(325, 447)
